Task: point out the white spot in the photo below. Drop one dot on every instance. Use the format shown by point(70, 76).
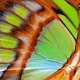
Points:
point(32, 5)
point(74, 62)
point(1, 73)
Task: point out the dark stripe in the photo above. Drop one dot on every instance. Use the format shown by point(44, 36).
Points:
point(9, 4)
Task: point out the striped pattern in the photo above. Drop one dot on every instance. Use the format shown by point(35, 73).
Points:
point(37, 36)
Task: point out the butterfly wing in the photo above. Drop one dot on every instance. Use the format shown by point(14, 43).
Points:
point(34, 51)
point(55, 45)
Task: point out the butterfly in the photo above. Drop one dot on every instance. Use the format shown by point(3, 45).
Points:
point(39, 40)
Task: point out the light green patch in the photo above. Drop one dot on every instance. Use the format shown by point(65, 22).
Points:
point(35, 57)
point(6, 55)
point(57, 44)
point(37, 75)
point(5, 28)
point(11, 18)
point(21, 11)
point(68, 10)
point(8, 42)
point(68, 24)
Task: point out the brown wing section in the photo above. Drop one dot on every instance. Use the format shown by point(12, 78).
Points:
point(27, 35)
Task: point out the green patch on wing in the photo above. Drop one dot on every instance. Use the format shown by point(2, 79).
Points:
point(21, 11)
point(52, 51)
point(68, 10)
point(13, 19)
point(55, 42)
point(68, 24)
point(6, 55)
point(5, 28)
point(8, 41)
